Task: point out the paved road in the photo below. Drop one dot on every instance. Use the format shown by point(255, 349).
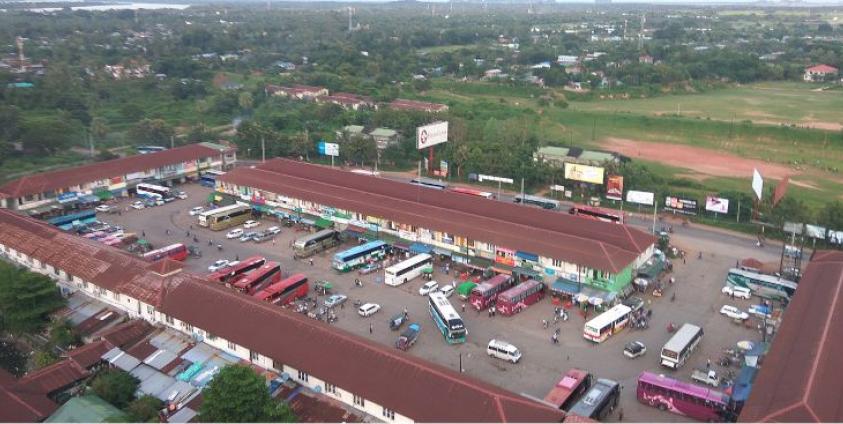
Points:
point(697, 300)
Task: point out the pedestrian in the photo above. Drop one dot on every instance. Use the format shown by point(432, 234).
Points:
point(683, 260)
point(708, 364)
point(463, 307)
point(733, 295)
point(371, 329)
point(167, 231)
point(342, 305)
point(143, 233)
point(191, 226)
point(620, 415)
point(187, 233)
point(490, 312)
point(273, 241)
point(311, 261)
point(237, 257)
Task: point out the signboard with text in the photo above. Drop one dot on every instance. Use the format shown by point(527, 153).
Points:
point(584, 173)
point(614, 187)
point(431, 134)
point(681, 205)
point(640, 197)
point(716, 204)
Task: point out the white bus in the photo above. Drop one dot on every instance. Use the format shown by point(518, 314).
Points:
point(610, 322)
point(151, 191)
point(677, 350)
point(446, 318)
point(762, 285)
point(405, 271)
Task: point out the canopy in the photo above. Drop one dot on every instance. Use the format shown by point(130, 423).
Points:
point(441, 251)
point(464, 289)
point(565, 286)
point(324, 223)
point(528, 256)
point(419, 248)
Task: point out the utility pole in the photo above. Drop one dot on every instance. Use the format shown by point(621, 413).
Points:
point(738, 219)
point(90, 142)
point(263, 150)
point(655, 209)
point(522, 188)
point(172, 141)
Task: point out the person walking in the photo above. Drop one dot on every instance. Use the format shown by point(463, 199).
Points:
point(371, 329)
point(620, 415)
point(311, 261)
point(463, 307)
point(708, 364)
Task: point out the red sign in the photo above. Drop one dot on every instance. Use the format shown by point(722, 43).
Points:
point(614, 187)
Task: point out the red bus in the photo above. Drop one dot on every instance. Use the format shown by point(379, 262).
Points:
point(486, 293)
point(176, 252)
point(250, 283)
point(232, 272)
point(520, 297)
point(286, 291)
point(473, 192)
point(571, 387)
point(600, 214)
point(697, 402)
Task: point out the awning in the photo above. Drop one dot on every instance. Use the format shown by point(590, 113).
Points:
point(565, 286)
point(356, 230)
point(308, 221)
point(529, 272)
point(501, 268)
point(324, 223)
point(401, 246)
point(441, 251)
point(591, 292)
point(527, 256)
point(419, 248)
point(104, 195)
point(480, 264)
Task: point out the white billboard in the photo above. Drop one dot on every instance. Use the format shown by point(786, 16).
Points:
point(815, 231)
point(757, 183)
point(332, 149)
point(431, 134)
point(584, 173)
point(716, 204)
point(640, 197)
point(482, 178)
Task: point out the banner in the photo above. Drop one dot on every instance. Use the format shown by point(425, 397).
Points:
point(431, 134)
point(815, 231)
point(683, 206)
point(835, 237)
point(584, 173)
point(614, 187)
point(640, 197)
point(717, 204)
point(757, 183)
point(329, 149)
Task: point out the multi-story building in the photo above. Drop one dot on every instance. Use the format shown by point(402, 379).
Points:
point(116, 177)
point(378, 380)
point(508, 237)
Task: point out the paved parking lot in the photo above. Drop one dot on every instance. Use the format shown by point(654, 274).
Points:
point(697, 289)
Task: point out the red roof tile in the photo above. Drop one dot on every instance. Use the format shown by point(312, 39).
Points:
point(801, 379)
point(595, 244)
point(127, 333)
point(63, 178)
point(53, 377)
point(822, 69)
point(90, 354)
point(20, 404)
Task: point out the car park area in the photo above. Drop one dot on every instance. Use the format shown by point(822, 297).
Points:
point(697, 298)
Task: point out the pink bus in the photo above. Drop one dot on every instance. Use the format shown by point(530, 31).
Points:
point(520, 297)
point(682, 398)
point(568, 390)
point(486, 293)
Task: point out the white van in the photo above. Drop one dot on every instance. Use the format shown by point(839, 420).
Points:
point(503, 350)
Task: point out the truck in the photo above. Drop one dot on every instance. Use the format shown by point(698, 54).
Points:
point(709, 377)
point(408, 337)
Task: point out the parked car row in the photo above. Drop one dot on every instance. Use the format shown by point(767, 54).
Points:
point(257, 236)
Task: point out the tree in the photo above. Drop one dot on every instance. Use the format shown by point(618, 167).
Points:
point(151, 131)
point(831, 216)
point(49, 134)
point(199, 133)
point(144, 408)
point(360, 149)
point(99, 128)
point(26, 300)
point(245, 100)
point(12, 359)
point(62, 334)
point(116, 387)
point(43, 358)
point(10, 123)
point(238, 394)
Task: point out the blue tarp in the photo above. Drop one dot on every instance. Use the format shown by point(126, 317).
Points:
point(527, 256)
point(562, 285)
point(743, 384)
point(420, 248)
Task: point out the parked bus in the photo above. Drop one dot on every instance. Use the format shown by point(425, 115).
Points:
point(209, 178)
point(429, 183)
point(599, 401)
point(677, 350)
point(697, 402)
point(359, 255)
point(232, 272)
point(150, 149)
point(285, 291)
point(568, 390)
point(473, 192)
point(520, 297)
point(314, 243)
point(446, 318)
point(610, 322)
point(152, 191)
point(405, 271)
point(251, 282)
point(600, 214)
point(225, 217)
point(177, 252)
point(762, 285)
point(66, 222)
point(486, 293)
point(542, 202)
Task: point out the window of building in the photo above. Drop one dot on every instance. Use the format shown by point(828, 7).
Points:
point(359, 401)
point(303, 376)
point(388, 413)
point(211, 337)
point(254, 356)
point(232, 346)
point(330, 388)
point(557, 263)
point(187, 327)
point(150, 310)
point(169, 320)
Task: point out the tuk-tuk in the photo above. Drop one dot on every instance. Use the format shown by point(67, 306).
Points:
point(427, 273)
point(464, 289)
point(323, 287)
point(397, 321)
point(194, 251)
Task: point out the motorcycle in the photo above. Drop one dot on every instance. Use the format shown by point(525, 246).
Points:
point(671, 328)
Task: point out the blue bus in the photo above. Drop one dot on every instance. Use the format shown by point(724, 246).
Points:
point(65, 222)
point(446, 318)
point(209, 178)
point(360, 255)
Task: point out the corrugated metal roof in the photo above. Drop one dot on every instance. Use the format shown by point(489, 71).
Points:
point(19, 404)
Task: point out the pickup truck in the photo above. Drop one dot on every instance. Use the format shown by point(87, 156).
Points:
point(408, 337)
point(709, 377)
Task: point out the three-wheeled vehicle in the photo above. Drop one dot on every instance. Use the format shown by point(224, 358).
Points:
point(323, 287)
point(397, 321)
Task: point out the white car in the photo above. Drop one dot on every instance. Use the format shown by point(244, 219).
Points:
point(447, 290)
point(335, 300)
point(247, 236)
point(235, 233)
point(137, 204)
point(733, 312)
point(181, 195)
point(102, 208)
point(368, 309)
point(218, 265)
point(196, 211)
point(251, 224)
point(273, 230)
point(428, 288)
point(739, 292)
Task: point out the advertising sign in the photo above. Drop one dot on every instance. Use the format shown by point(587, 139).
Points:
point(640, 197)
point(757, 183)
point(432, 134)
point(557, 187)
point(482, 178)
point(584, 173)
point(329, 149)
point(793, 227)
point(443, 168)
point(716, 204)
point(614, 187)
point(683, 206)
point(835, 237)
point(815, 231)
point(67, 197)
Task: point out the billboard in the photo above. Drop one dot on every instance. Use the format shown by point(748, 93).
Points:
point(678, 204)
point(431, 134)
point(815, 231)
point(614, 187)
point(329, 149)
point(584, 173)
point(716, 204)
point(640, 197)
point(835, 237)
point(757, 183)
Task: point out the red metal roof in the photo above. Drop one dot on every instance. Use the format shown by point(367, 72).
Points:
point(90, 354)
point(595, 244)
point(822, 69)
point(127, 333)
point(63, 178)
point(20, 404)
point(53, 377)
point(801, 379)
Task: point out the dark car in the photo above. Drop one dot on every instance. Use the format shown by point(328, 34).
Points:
point(634, 349)
point(634, 303)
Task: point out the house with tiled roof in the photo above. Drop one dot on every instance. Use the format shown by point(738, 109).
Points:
point(820, 73)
